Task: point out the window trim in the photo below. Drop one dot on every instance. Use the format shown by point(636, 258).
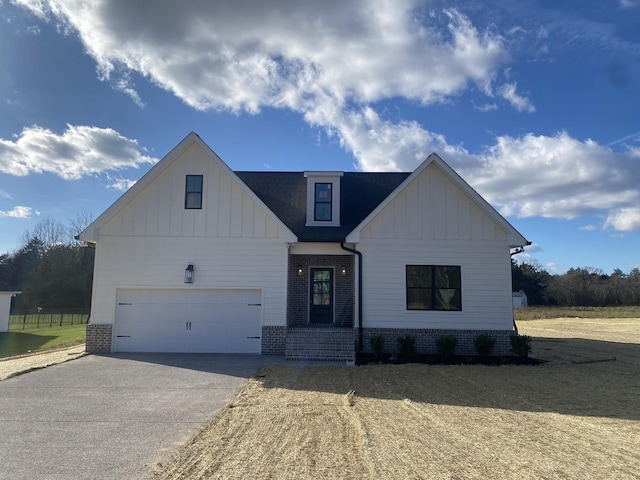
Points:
point(316, 202)
point(188, 192)
point(433, 288)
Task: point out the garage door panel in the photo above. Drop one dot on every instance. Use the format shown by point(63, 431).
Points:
point(224, 321)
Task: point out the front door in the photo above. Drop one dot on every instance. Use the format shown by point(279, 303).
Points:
point(321, 310)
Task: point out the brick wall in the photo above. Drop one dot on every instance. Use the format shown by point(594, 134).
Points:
point(299, 293)
point(426, 339)
point(99, 337)
point(273, 339)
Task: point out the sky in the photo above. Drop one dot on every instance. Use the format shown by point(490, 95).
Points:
point(536, 104)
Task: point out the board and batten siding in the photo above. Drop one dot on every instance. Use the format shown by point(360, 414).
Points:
point(158, 210)
point(220, 263)
point(433, 222)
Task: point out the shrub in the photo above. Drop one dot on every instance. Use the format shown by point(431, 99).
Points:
point(407, 347)
point(446, 345)
point(520, 345)
point(377, 344)
point(484, 344)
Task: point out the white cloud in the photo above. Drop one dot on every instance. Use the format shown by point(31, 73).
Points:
point(624, 219)
point(121, 184)
point(6, 195)
point(520, 103)
point(588, 228)
point(79, 151)
point(18, 212)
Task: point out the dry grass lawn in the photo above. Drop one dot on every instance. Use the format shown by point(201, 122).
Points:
point(575, 417)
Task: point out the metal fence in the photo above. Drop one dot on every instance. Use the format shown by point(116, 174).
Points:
point(41, 318)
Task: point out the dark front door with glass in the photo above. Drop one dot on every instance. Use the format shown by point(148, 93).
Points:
point(321, 310)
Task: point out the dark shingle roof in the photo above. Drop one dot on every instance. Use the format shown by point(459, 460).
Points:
point(285, 193)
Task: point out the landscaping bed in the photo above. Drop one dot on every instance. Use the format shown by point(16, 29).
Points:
point(434, 359)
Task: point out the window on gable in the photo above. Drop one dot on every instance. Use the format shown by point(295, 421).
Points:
point(193, 192)
point(434, 287)
point(322, 202)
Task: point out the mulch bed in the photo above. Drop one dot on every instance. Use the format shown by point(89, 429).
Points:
point(385, 358)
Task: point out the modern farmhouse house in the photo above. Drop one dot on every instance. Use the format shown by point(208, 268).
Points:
point(198, 258)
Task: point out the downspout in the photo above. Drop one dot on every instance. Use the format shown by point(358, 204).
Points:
point(356, 252)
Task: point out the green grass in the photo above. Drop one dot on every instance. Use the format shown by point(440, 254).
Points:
point(537, 313)
point(19, 342)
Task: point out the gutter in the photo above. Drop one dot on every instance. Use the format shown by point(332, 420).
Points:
point(356, 252)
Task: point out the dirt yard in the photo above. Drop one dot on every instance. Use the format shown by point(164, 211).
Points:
point(575, 417)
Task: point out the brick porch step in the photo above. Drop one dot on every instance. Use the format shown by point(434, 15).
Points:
point(326, 344)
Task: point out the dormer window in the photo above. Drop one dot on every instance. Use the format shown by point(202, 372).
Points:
point(323, 199)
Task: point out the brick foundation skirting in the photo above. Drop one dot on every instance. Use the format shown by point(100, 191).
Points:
point(99, 337)
point(426, 339)
point(273, 339)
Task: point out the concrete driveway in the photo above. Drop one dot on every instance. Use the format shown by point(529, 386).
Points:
point(112, 417)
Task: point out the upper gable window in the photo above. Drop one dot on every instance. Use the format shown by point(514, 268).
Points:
point(323, 203)
point(193, 192)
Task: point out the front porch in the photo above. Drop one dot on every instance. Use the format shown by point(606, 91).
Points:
point(320, 308)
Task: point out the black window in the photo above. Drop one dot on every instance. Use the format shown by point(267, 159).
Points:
point(193, 192)
point(433, 287)
point(322, 203)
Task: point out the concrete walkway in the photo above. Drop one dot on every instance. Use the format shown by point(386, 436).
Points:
point(10, 367)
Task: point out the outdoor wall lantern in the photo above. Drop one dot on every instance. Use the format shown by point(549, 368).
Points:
point(343, 269)
point(299, 270)
point(188, 274)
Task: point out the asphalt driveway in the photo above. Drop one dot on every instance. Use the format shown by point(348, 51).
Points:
point(112, 417)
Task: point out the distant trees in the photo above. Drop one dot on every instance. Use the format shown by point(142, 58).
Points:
point(51, 268)
point(586, 287)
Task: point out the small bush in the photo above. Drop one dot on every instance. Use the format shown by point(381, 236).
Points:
point(520, 345)
point(377, 344)
point(484, 344)
point(446, 345)
point(407, 347)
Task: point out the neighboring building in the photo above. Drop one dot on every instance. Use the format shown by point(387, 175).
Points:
point(5, 308)
point(519, 299)
point(198, 258)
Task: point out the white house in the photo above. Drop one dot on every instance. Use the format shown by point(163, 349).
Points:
point(198, 258)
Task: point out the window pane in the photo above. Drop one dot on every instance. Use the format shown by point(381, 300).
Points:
point(419, 299)
point(447, 277)
point(323, 192)
point(193, 200)
point(448, 299)
point(323, 211)
point(418, 276)
point(194, 183)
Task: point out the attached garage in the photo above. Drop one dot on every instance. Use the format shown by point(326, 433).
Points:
point(189, 321)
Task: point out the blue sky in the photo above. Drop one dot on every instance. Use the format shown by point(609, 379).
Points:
point(535, 104)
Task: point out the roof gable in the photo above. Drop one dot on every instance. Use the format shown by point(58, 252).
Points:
point(514, 238)
point(155, 174)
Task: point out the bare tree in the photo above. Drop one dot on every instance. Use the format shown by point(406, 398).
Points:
point(77, 224)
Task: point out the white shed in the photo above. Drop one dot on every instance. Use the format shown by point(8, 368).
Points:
point(519, 299)
point(5, 309)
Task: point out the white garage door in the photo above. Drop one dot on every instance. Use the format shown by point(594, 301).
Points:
point(197, 321)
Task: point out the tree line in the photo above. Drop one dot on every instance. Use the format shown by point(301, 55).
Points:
point(52, 269)
point(578, 287)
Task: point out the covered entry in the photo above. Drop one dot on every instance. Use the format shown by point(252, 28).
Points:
point(194, 321)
